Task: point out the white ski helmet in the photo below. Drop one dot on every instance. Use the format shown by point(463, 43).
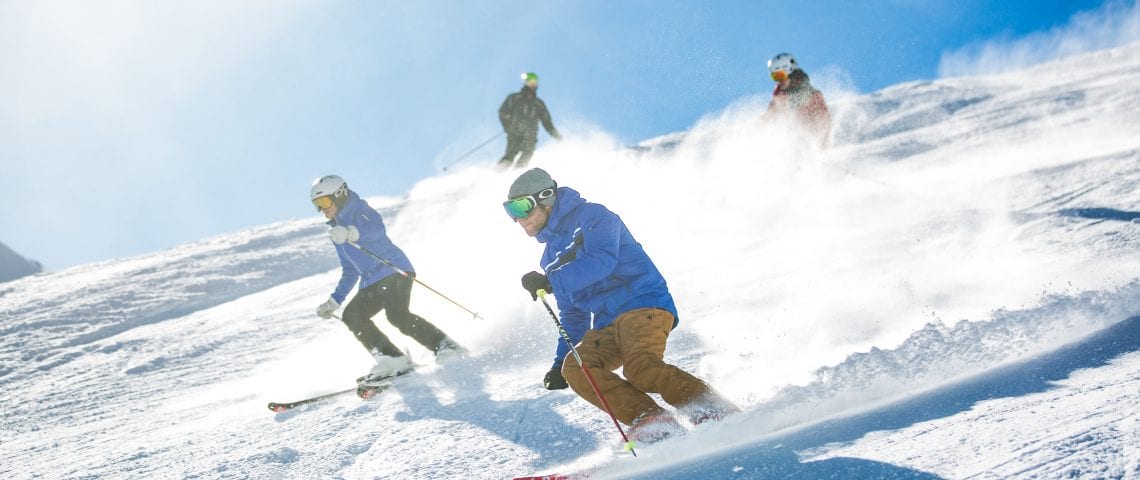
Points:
point(783, 62)
point(329, 186)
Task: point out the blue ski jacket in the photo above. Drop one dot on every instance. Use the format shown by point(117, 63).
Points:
point(357, 265)
point(597, 269)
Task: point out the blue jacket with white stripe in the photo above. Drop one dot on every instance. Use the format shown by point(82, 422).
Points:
point(597, 269)
point(357, 265)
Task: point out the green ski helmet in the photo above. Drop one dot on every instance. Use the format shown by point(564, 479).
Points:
point(529, 77)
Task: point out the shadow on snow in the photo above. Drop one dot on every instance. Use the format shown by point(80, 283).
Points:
point(531, 423)
point(1100, 214)
point(775, 456)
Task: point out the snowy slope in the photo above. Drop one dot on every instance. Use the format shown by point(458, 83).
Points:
point(950, 291)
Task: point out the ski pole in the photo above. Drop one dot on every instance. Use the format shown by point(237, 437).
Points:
point(413, 278)
point(473, 150)
point(566, 337)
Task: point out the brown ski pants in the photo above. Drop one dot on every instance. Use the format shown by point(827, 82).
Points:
point(635, 341)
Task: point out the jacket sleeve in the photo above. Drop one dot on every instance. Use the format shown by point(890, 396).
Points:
point(348, 276)
point(505, 112)
point(820, 117)
point(371, 226)
point(547, 123)
point(594, 254)
point(774, 107)
point(575, 321)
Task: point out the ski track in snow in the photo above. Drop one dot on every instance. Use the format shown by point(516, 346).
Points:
point(929, 298)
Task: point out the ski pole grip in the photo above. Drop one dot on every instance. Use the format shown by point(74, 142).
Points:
point(541, 293)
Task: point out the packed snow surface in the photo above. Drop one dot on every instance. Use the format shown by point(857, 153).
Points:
point(951, 290)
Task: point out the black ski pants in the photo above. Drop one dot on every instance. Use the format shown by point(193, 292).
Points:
point(518, 143)
point(391, 294)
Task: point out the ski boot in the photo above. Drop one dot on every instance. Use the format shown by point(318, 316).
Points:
point(380, 378)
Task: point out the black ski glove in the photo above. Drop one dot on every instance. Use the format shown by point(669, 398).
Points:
point(533, 282)
point(553, 379)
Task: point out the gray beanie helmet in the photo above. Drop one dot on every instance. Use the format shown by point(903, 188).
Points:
point(532, 182)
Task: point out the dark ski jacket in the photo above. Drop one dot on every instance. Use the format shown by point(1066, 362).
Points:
point(521, 113)
point(597, 269)
point(803, 101)
point(357, 265)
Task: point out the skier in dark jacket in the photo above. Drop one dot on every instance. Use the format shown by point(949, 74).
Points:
point(614, 305)
point(795, 98)
point(520, 115)
point(354, 227)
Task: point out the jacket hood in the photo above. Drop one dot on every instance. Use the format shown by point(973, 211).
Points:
point(565, 201)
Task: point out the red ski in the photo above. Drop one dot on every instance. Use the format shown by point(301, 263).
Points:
point(559, 476)
point(363, 391)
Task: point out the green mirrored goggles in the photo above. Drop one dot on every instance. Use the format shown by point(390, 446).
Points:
point(522, 207)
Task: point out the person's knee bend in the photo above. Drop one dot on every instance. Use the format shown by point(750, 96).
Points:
point(573, 374)
point(405, 321)
point(649, 378)
point(354, 319)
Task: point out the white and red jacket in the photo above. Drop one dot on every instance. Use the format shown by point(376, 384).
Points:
point(805, 103)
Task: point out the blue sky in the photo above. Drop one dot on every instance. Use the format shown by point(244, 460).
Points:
point(129, 127)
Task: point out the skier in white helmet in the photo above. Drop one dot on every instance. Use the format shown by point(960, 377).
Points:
point(795, 98)
point(358, 233)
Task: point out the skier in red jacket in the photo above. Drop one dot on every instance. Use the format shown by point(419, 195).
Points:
point(794, 97)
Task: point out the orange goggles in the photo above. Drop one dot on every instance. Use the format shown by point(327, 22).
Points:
point(323, 202)
point(779, 75)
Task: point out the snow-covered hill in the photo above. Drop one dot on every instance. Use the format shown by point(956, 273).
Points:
point(950, 291)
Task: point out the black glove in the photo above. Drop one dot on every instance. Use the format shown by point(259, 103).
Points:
point(533, 282)
point(553, 379)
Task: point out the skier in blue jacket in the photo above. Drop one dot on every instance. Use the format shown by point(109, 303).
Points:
point(355, 229)
point(614, 304)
